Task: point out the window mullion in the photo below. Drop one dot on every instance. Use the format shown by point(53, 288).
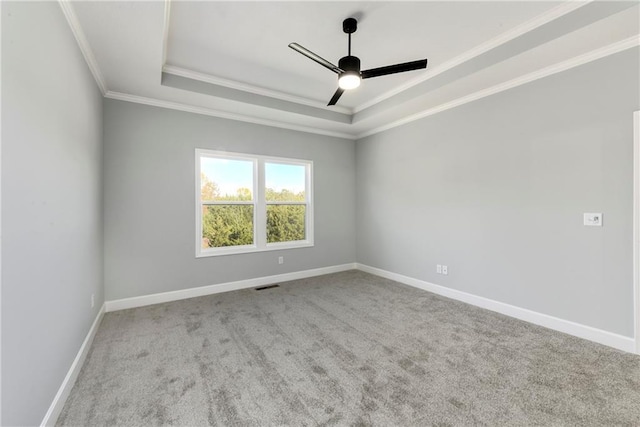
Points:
point(309, 202)
point(261, 208)
point(226, 202)
point(286, 203)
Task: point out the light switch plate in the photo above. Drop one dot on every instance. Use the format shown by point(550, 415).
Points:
point(593, 219)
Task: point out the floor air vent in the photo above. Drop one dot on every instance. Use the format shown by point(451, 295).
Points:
point(267, 287)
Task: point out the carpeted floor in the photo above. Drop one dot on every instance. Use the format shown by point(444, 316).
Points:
point(344, 349)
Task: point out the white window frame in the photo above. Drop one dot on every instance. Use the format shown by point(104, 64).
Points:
point(259, 204)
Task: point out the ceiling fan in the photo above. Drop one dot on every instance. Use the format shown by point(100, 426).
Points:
point(348, 69)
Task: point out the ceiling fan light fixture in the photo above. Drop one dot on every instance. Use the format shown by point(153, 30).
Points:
point(349, 80)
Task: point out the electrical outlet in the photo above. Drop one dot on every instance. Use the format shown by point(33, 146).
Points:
point(280, 260)
point(439, 269)
point(592, 219)
point(93, 300)
point(445, 270)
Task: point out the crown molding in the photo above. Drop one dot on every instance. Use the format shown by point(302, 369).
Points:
point(503, 38)
point(577, 61)
point(81, 39)
point(555, 13)
point(223, 114)
point(256, 90)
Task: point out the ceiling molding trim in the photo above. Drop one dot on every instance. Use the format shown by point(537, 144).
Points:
point(577, 61)
point(503, 38)
point(222, 114)
point(83, 44)
point(256, 90)
point(165, 30)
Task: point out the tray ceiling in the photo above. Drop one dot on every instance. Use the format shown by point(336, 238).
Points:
point(231, 59)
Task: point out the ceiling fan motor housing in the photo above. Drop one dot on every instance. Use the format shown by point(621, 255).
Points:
point(350, 63)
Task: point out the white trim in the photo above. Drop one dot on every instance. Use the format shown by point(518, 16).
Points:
point(141, 301)
point(576, 329)
point(1, 218)
point(503, 38)
point(245, 87)
point(260, 209)
point(59, 400)
point(222, 114)
point(611, 49)
point(636, 227)
point(85, 48)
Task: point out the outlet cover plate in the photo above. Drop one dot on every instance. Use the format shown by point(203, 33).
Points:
point(593, 219)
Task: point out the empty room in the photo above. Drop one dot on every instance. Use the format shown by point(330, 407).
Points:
point(300, 213)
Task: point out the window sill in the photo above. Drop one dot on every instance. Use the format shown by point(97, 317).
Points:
point(252, 249)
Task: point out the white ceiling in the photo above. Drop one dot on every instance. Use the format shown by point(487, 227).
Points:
point(231, 59)
point(248, 41)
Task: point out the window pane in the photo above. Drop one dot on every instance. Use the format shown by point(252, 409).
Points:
point(227, 225)
point(226, 179)
point(284, 183)
point(285, 223)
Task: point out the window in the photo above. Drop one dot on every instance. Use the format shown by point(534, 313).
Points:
point(247, 203)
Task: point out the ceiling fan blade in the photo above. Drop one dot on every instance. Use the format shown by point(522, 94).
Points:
point(392, 69)
point(320, 60)
point(336, 96)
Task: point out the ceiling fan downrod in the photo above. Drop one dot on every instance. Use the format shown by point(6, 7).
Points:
point(350, 26)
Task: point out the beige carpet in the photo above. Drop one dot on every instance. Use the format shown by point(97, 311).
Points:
point(344, 349)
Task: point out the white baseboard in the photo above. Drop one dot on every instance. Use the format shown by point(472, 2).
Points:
point(52, 414)
point(125, 303)
point(576, 329)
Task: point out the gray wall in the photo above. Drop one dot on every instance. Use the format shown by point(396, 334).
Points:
point(51, 206)
point(150, 203)
point(496, 189)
